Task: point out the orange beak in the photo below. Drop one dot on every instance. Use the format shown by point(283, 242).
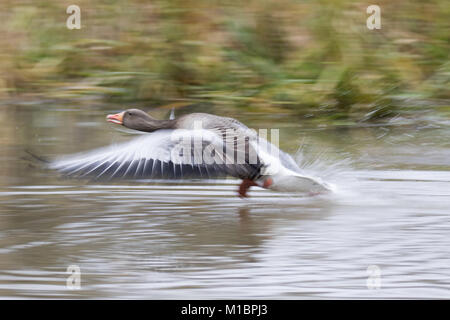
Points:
point(115, 118)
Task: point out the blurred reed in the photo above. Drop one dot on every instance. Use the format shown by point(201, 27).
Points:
point(310, 58)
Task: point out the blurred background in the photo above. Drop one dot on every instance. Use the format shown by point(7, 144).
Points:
point(313, 59)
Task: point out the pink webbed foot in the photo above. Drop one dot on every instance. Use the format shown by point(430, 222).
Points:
point(245, 186)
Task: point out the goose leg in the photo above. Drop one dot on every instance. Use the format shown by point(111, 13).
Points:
point(245, 185)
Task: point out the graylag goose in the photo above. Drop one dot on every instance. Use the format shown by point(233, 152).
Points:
point(197, 145)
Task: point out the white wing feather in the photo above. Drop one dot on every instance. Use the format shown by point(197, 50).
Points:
point(156, 155)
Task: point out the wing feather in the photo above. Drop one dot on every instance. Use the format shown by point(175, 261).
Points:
point(163, 154)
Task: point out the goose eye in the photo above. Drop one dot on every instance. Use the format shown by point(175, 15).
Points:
point(129, 113)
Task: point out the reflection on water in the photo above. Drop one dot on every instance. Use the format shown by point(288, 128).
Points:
point(199, 240)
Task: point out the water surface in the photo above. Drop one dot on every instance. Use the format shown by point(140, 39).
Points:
point(197, 239)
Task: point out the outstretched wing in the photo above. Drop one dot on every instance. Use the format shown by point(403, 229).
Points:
point(163, 154)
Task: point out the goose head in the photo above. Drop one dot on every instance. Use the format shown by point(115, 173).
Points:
point(138, 120)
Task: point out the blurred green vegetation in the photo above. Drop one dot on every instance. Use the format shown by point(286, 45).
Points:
point(307, 58)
